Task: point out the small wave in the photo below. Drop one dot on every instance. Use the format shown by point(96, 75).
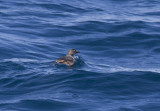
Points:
point(112, 69)
point(25, 60)
point(19, 60)
point(38, 104)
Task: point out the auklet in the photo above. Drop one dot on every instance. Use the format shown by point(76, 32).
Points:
point(69, 58)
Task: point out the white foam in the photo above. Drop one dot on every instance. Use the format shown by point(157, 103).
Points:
point(120, 69)
point(114, 68)
point(20, 60)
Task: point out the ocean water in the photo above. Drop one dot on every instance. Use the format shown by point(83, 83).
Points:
point(118, 68)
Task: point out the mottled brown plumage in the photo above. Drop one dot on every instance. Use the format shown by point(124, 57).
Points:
point(68, 59)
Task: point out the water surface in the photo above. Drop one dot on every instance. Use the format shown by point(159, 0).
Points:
point(117, 69)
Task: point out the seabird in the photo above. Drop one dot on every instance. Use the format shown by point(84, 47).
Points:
point(69, 58)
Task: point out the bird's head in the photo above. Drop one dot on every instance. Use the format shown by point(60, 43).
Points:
point(72, 52)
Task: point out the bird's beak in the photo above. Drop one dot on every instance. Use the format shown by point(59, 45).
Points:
point(77, 52)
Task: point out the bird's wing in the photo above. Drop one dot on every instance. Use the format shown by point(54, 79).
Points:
point(63, 59)
point(60, 60)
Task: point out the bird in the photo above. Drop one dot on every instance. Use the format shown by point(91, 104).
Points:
point(69, 58)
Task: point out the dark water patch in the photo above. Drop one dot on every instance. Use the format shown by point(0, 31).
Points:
point(62, 7)
point(10, 66)
point(153, 13)
point(40, 105)
point(150, 107)
point(156, 50)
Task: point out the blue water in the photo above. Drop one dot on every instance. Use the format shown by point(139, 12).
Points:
point(118, 68)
